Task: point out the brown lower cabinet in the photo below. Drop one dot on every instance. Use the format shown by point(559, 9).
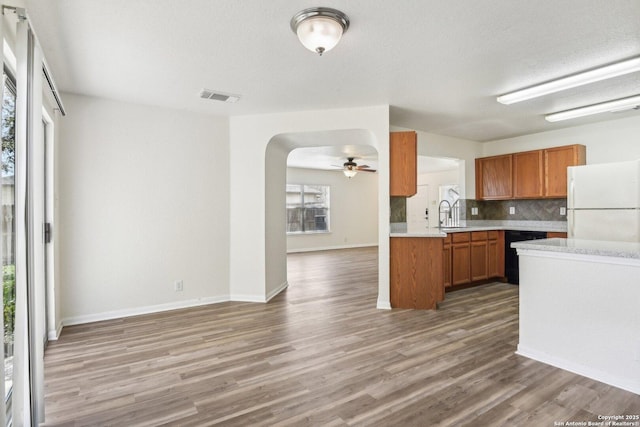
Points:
point(420, 266)
point(552, 234)
point(416, 272)
point(460, 259)
point(479, 269)
point(495, 259)
point(446, 261)
point(495, 253)
point(468, 257)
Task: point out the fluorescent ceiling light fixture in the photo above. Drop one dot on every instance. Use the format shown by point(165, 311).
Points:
point(590, 76)
point(609, 106)
point(319, 29)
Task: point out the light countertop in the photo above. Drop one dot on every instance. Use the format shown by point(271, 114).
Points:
point(403, 229)
point(627, 250)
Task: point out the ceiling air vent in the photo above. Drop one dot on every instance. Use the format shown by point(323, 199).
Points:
point(218, 96)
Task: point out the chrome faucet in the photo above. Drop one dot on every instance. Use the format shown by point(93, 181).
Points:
point(447, 218)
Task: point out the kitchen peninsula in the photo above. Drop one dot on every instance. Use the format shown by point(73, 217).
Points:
point(426, 260)
point(579, 307)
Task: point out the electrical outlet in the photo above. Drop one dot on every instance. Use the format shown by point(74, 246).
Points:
point(563, 211)
point(512, 210)
point(474, 211)
point(178, 286)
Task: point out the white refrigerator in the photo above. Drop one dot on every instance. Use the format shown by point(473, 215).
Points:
point(603, 201)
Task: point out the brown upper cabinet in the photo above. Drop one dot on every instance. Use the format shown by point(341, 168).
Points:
point(556, 161)
point(494, 177)
point(403, 163)
point(528, 174)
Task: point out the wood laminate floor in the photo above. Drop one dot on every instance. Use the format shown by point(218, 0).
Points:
point(320, 353)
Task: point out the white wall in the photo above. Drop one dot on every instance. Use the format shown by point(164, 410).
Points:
point(353, 210)
point(143, 201)
point(434, 180)
point(610, 141)
point(261, 143)
point(433, 145)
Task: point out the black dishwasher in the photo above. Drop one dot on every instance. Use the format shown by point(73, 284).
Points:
point(510, 254)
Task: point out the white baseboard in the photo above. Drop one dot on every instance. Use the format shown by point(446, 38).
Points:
point(54, 334)
point(330, 248)
point(276, 291)
point(128, 312)
point(628, 384)
point(247, 298)
point(383, 305)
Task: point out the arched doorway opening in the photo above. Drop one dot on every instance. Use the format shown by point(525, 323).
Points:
point(277, 152)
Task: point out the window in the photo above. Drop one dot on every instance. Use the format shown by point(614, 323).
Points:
point(307, 208)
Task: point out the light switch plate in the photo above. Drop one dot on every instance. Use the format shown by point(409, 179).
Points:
point(474, 211)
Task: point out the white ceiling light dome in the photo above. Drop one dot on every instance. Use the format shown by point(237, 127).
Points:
point(350, 172)
point(319, 29)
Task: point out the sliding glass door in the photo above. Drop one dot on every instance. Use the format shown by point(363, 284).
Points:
point(8, 232)
point(30, 107)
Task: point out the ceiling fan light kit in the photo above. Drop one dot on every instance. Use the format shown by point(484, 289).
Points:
point(350, 173)
point(586, 77)
point(319, 29)
point(351, 168)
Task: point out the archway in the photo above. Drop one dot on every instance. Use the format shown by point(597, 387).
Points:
point(258, 149)
point(277, 152)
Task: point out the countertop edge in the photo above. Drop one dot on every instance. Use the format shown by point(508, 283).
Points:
point(436, 232)
point(627, 250)
point(423, 235)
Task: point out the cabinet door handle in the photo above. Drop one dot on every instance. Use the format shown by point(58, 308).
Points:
point(571, 220)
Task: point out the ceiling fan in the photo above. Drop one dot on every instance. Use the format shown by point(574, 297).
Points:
point(351, 168)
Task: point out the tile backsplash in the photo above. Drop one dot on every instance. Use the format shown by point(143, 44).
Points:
point(528, 210)
point(398, 209)
point(525, 210)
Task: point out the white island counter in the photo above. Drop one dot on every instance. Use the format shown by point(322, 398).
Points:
point(580, 307)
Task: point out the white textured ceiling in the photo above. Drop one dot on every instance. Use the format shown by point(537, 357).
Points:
point(439, 64)
point(333, 157)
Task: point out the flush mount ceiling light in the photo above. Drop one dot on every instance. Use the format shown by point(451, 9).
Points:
point(319, 28)
point(632, 102)
point(590, 76)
